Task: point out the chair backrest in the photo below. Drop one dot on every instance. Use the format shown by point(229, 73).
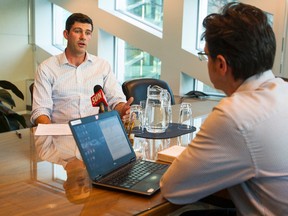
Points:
point(31, 87)
point(137, 88)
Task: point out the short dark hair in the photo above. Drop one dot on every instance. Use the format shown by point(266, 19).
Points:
point(243, 35)
point(77, 17)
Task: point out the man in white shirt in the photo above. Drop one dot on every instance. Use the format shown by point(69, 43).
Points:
point(242, 145)
point(64, 83)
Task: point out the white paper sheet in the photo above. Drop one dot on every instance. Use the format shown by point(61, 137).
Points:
point(53, 129)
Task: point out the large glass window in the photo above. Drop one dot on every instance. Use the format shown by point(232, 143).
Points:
point(132, 62)
point(149, 12)
point(207, 7)
point(129, 62)
point(59, 19)
point(213, 6)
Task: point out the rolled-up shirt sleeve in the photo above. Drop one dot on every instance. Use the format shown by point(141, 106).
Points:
point(42, 95)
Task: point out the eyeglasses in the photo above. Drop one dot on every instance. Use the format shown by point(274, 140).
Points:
point(203, 56)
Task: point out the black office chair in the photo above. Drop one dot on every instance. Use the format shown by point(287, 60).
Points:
point(137, 88)
point(31, 87)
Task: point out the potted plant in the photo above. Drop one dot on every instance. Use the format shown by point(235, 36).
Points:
point(9, 120)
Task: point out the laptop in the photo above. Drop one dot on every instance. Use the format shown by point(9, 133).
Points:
point(108, 155)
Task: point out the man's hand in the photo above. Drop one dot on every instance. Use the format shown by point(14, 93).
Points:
point(43, 119)
point(124, 109)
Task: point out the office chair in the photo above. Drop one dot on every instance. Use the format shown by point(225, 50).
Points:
point(31, 91)
point(137, 88)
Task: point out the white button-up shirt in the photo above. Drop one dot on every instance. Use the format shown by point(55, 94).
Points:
point(62, 91)
point(241, 146)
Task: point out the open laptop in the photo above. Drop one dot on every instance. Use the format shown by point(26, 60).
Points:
point(107, 153)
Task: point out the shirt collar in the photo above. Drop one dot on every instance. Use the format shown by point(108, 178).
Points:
point(255, 81)
point(63, 60)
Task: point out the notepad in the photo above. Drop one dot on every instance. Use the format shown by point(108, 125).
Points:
point(52, 129)
point(169, 154)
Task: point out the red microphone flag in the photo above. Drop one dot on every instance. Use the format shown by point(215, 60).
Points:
point(97, 98)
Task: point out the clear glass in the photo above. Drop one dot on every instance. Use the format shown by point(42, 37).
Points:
point(136, 119)
point(185, 116)
point(167, 107)
point(149, 12)
point(144, 120)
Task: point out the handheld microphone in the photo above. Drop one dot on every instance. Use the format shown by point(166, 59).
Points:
point(99, 99)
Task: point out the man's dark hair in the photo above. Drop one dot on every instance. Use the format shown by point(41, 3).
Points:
point(77, 17)
point(243, 35)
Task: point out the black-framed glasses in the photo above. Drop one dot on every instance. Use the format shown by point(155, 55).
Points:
point(203, 56)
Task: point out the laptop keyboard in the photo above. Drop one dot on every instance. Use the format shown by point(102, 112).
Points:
point(130, 175)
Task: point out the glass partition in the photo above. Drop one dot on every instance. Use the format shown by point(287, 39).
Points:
point(149, 12)
point(132, 62)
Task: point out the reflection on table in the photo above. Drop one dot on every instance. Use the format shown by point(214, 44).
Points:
point(43, 175)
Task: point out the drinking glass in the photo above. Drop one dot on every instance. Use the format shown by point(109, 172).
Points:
point(144, 119)
point(185, 116)
point(168, 114)
point(136, 119)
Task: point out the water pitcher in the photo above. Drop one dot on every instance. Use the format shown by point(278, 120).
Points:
point(156, 109)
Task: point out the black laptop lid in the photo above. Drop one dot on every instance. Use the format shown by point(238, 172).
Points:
point(102, 142)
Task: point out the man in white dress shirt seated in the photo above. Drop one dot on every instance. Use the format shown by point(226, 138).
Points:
point(242, 145)
point(64, 83)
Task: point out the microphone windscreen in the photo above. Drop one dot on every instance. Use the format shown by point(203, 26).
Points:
point(97, 88)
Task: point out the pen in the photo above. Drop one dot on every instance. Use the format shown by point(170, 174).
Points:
point(18, 134)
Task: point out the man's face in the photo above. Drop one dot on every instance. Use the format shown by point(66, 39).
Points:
point(78, 37)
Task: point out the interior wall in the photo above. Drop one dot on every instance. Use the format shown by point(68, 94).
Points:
point(16, 53)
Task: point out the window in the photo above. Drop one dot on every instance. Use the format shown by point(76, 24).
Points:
point(200, 86)
point(193, 14)
point(59, 19)
point(134, 63)
point(207, 7)
point(192, 42)
point(149, 12)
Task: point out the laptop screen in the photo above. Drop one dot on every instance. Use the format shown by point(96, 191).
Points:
point(102, 142)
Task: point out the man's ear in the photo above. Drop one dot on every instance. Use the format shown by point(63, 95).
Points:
point(65, 34)
point(221, 64)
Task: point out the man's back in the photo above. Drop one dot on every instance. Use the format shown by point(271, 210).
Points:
point(260, 110)
point(241, 146)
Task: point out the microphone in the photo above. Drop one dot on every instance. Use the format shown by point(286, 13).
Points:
point(99, 99)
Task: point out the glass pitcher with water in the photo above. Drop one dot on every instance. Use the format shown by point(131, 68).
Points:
point(157, 109)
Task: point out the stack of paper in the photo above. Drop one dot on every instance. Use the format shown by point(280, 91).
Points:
point(169, 154)
point(53, 129)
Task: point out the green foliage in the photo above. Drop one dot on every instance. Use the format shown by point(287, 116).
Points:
point(9, 120)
